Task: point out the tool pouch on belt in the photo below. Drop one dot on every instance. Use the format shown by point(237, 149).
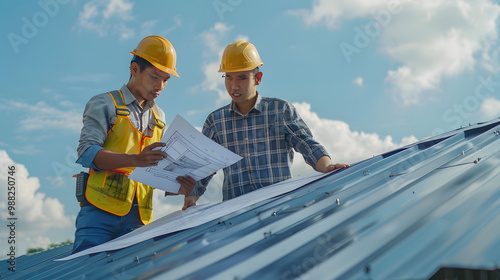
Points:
point(81, 185)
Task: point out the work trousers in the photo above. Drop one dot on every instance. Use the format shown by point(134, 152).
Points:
point(95, 226)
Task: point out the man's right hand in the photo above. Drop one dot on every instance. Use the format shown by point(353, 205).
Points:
point(187, 184)
point(189, 200)
point(149, 156)
point(106, 159)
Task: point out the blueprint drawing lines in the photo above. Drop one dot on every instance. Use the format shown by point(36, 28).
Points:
point(183, 158)
point(189, 152)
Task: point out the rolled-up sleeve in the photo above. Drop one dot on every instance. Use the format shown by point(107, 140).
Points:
point(97, 119)
point(300, 137)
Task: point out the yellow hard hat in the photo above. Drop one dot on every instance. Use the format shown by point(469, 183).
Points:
point(240, 56)
point(159, 52)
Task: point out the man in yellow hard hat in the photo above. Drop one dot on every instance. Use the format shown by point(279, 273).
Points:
point(121, 130)
point(264, 131)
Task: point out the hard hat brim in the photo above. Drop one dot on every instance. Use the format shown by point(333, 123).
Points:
point(157, 65)
point(239, 69)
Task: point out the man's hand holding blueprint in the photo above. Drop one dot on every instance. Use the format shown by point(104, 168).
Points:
point(189, 153)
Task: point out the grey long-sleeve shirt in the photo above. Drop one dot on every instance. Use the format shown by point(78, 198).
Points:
point(100, 115)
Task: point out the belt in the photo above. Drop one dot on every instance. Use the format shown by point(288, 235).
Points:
point(85, 202)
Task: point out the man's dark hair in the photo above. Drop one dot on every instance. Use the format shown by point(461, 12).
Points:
point(143, 64)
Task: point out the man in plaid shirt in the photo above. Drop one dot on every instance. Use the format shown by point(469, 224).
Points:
point(264, 131)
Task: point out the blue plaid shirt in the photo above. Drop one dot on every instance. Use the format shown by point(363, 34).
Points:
point(265, 138)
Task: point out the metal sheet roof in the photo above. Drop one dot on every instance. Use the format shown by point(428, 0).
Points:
point(400, 215)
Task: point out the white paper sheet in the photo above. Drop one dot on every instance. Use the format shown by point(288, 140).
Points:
point(198, 215)
point(189, 152)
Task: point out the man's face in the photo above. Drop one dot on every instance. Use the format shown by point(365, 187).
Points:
point(241, 86)
point(149, 83)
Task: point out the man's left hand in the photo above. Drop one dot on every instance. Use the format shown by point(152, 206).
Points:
point(325, 165)
point(333, 167)
point(187, 184)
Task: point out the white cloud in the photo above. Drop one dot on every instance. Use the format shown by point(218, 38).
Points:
point(105, 16)
point(195, 112)
point(40, 219)
point(214, 82)
point(431, 40)
point(358, 81)
point(177, 24)
point(490, 108)
point(212, 39)
point(343, 144)
point(56, 182)
point(163, 206)
point(118, 8)
point(214, 189)
point(123, 31)
point(35, 242)
point(147, 27)
point(331, 14)
point(42, 117)
point(241, 37)
point(215, 41)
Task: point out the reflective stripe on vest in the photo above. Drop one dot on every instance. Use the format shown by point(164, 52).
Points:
point(112, 190)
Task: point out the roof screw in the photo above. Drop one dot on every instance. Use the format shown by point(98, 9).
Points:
point(274, 214)
point(137, 259)
point(463, 153)
point(338, 201)
point(366, 172)
point(368, 269)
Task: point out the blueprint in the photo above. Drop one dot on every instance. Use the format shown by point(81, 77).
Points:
point(188, 153)
point(200, 214)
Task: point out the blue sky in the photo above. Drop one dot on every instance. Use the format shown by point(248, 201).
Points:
point(367, 76)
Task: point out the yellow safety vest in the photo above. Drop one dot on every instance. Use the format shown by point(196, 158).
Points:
point(111, 190)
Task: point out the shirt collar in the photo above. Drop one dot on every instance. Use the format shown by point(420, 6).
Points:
point(130, 98)
point(257, 106)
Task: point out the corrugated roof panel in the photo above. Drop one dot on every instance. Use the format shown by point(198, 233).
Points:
point(41, 260)
point(401, 215)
